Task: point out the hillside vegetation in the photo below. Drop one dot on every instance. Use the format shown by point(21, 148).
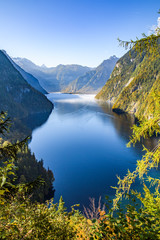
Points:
point(22, 102)
point(19, 99)
point(21, 218)
point(132, 83)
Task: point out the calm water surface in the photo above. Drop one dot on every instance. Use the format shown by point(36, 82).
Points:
point(84, 143)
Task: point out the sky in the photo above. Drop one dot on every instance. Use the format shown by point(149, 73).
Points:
point(84, 32)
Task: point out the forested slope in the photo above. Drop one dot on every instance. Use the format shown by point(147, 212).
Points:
point(132, 82)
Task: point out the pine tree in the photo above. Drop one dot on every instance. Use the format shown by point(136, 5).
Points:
point(145, 129)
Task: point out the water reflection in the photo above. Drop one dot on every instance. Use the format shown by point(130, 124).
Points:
point(123, 123)
point(35, 120)
point(84, 144)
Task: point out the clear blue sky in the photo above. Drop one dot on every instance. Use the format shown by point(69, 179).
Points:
point(72, 31)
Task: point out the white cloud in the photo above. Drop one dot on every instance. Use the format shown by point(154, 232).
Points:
point(152, 29)
point(158, 22)
point(155, 29)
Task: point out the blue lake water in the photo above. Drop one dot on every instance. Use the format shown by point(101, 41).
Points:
point(84, 143)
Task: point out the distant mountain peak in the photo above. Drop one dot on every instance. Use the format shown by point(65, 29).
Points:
point(43, 66)
point(113, 57)
point(52, 78)
point(93, 80)
point(63, 76)
point(20, 59)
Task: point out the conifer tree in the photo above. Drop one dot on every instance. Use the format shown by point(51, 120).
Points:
point(146, 128)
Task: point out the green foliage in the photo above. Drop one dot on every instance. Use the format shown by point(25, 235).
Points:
point(137, 89)
point(25, 220)
point(131, 224)
point(20, 218)
point(29, 169)
point(135, 77)
point(147, 127)
point(150, 160)
point(4, 123)
point(147, 43)
point(19, 169)
point(132, 84)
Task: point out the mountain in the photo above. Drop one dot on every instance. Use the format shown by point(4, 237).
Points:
point(94, 80)
point(27, 76)
point(52, 79)
point(17, 97)
point(132, 84)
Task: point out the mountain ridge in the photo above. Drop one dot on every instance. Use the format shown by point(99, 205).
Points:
point(54, 78)
point(93, 80)
point(132, 83)
point(27, 76)
point(18, 98)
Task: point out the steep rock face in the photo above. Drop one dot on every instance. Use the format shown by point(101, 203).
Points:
point(94, 80)
point(55, 78)
point(79, 83)
point(27, 76)
point(17, 97)
point(132, 82)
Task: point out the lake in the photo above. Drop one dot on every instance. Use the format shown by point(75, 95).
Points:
point(84, 143)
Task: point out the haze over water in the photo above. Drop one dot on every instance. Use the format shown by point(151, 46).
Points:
point(84, 143)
